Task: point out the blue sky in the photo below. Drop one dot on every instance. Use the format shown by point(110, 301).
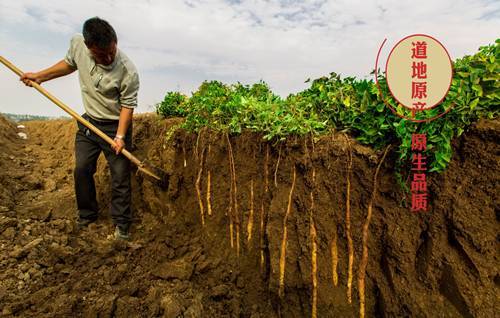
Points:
point(178, 44)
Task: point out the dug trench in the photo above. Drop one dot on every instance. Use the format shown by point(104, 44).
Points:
point(249, 228)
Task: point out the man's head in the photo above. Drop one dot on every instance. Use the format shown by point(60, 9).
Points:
point(100, 39)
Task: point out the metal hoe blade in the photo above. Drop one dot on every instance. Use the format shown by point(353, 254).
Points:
point(154, 174)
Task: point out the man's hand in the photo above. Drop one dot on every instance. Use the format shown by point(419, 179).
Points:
point(29, 78)
point(119, 145)
point(61, 68)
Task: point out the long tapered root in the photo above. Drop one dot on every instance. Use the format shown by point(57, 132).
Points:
point(209, 195)
point(235, 201)
point(334, 252)
point(314, 252)
point(198, 187)
point(314, 265)
point(236, 219)
point(209, 191)
point(263, 214)
point(350, 247)
point(364, 257)
point(231, 190)
point(281, 289)
point(250, 215)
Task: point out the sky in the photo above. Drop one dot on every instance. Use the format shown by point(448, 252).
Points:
point(176, 45)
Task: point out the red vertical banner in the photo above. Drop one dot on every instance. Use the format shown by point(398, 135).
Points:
point(418, 178)
point(419, 73)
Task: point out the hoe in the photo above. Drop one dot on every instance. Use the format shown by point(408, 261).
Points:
point(155, 174)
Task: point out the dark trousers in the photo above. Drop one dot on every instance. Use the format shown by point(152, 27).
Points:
point(88, 147)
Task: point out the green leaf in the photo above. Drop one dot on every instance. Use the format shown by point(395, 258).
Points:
point(474, 103)
point(347, 101)
point(478, 89)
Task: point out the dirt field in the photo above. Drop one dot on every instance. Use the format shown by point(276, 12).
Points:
point(189, 258)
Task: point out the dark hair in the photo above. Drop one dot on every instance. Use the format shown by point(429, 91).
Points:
point(98, 32)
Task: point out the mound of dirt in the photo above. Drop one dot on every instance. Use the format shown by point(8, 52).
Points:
point(8, 136)
point(250, 229)
point(12, 170)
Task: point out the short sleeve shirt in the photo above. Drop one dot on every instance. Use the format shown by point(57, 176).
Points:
point(105, 88)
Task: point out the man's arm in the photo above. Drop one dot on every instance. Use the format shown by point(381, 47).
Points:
point(59, 69)
point(126, 115)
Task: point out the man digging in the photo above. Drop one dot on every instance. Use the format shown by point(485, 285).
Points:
point(109, 83)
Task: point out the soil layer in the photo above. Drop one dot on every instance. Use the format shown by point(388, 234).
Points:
point(247, 241)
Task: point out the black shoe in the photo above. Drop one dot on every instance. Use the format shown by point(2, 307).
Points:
point(83, 223)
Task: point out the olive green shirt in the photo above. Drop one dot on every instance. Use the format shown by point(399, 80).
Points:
point(105, 88)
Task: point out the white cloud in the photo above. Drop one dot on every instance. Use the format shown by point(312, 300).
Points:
point(177, 44)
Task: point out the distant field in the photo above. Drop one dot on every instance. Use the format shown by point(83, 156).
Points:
point(25, 117)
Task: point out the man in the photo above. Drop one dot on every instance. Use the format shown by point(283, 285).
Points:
point(109, 83)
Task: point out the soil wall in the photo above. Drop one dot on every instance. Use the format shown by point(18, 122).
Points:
point(442, 262)
point(232, 258)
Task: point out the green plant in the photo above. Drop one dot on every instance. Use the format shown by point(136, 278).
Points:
point(349, 104)
point(174, 104)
